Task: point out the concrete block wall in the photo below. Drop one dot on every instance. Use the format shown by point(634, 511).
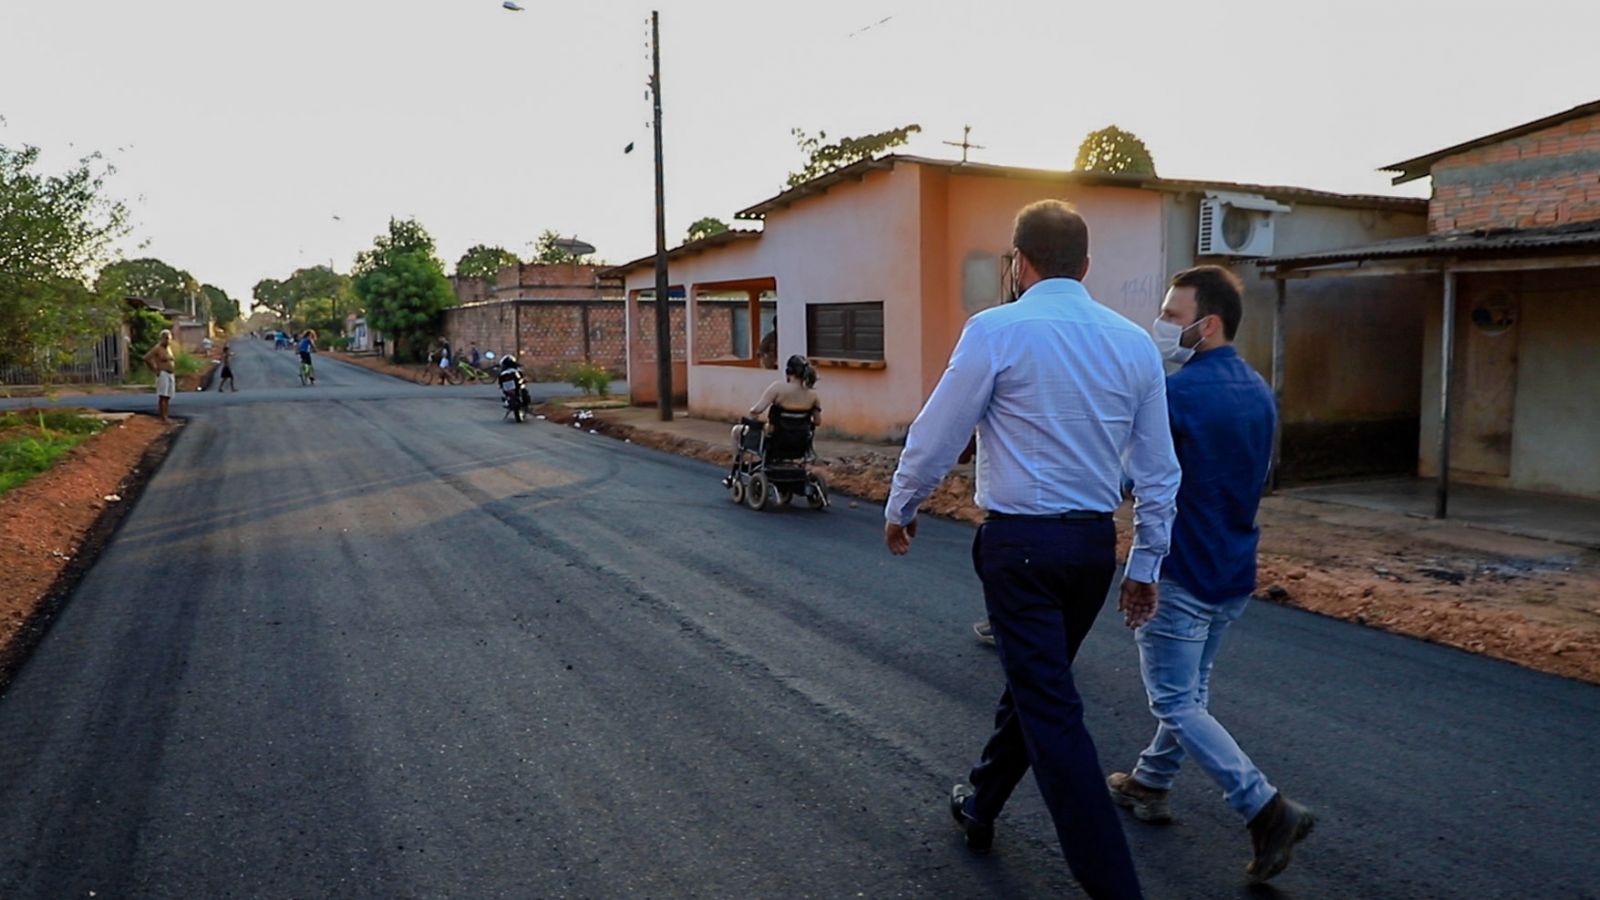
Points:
point(1549, 177)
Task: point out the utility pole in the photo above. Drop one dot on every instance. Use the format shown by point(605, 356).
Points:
point(663, 310)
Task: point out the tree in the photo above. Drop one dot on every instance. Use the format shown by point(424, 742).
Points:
point(823, 158)
point(403, 286)
point(55, 230)
point(484, 262)
point(224, 309)
point(706, 227)
point(1115, 151)
point(153, 280)
point(271, 295)
point(546, 252)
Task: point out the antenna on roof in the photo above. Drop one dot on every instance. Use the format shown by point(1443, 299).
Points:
point(965, 144)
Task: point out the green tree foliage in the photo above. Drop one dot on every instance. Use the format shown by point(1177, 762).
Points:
point(155, 281)
point(706, 227)
point(144, 326)
point(55, 230)
point(484, 262)
point(1115, 151)
point(545, 251)
point(822, 158)
point(403, 286)
point(271, 295)
point(224, 309)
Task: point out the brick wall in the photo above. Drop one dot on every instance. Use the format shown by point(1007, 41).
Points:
point(530, 281)
point(548, 336)
point(713, 330)
point(1549, 177)
point(645, 332)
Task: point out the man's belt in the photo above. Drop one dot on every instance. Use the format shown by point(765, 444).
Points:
point(1071, 515)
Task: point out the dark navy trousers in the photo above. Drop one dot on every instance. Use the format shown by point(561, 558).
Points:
point(1044, 581)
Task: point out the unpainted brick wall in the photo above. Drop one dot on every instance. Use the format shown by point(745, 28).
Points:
point(713, 330)
point(551, 338)
point(1549, 177)
point(644, 332)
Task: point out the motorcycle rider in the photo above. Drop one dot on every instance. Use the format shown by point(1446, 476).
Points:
point(513, 385)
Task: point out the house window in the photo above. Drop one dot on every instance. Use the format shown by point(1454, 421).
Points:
point(845, 330)
point(731, 319)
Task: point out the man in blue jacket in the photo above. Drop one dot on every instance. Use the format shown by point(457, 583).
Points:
point(1223, 417)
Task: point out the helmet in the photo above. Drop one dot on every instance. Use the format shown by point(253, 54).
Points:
point(508, 362)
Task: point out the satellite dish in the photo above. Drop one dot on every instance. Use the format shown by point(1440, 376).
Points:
point(488, 354)
point(573, 246)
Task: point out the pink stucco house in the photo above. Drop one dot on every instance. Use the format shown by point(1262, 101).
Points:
point(872, 270)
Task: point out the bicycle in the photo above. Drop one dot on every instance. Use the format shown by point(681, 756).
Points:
point(474, 374)
point(308, 375)
point(432, 372)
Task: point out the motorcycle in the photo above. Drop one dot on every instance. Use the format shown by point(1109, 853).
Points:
point(514, 395)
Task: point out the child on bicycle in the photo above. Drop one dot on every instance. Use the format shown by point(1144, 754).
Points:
point(308, 346)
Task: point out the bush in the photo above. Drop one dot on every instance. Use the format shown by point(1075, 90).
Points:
point(340, 343)
point(32, 440)
point(590, 378)
point(145, 328)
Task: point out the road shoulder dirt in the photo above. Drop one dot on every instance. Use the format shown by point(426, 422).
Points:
point(54, 526)
point(1531, 602)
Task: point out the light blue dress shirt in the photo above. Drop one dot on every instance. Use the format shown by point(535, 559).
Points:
point(1066, 396)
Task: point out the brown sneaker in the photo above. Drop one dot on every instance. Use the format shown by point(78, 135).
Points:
point(1146, 803)
point(1274, 831)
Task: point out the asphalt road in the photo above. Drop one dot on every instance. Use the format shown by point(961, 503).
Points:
point(368, 640)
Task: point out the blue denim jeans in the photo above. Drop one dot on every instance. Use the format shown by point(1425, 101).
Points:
point(1176, 652)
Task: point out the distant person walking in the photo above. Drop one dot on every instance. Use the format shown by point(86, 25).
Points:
point(1223, 416)
point(1064, 393)
point(225, 380)
point(164, 362)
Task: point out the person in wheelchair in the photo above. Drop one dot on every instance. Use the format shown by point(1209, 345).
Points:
point(793, 413)
point(796, 392)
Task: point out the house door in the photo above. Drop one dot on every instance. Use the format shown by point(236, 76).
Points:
point(1484, 388)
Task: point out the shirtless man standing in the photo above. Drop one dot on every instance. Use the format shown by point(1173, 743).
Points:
point(161, 358)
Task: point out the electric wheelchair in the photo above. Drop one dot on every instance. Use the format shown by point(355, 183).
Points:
point(775, 466)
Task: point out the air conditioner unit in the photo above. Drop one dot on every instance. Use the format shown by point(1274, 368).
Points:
point(1236, 224)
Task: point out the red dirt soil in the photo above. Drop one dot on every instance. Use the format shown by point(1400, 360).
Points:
point(44, 521)
point(1528, 602)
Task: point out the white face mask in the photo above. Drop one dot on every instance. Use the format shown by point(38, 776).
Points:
point(1169, 340)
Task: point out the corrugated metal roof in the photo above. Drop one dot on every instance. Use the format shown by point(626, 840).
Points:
point(1421, 166)
point(858, 170)
point(1499, 241)
point(720, 239)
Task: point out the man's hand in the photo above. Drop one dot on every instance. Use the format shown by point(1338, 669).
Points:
point(898, 537)
point(1137, 602)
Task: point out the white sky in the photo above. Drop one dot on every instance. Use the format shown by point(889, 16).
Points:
point(245, 127)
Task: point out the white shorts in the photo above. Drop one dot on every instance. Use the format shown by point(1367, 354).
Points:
point(166, 384)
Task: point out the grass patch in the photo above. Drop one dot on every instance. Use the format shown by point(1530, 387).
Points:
point(183, 363)
point(32, 440)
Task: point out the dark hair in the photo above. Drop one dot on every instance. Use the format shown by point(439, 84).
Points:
point(1217, 292)
point(1053, 237)
point(800, 368)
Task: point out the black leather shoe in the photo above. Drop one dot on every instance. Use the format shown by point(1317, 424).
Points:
point(980, 835)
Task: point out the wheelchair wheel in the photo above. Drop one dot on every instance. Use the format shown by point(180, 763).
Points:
point(755, 495)
point(817, 493)
point(736, 489)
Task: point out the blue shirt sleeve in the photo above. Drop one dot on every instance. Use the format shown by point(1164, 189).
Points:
point(942, 429)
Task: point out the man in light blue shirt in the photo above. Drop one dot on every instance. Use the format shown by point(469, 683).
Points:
point(1066, 395)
